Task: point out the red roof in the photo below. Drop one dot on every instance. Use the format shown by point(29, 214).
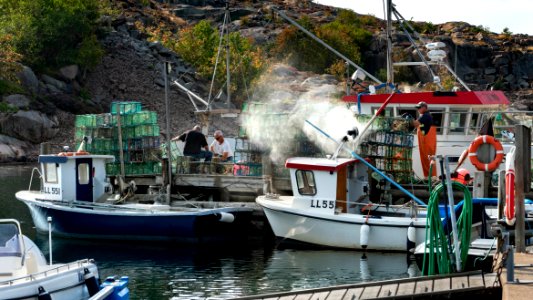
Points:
point(446, 98)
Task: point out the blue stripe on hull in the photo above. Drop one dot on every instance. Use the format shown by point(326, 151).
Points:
point(186, 228)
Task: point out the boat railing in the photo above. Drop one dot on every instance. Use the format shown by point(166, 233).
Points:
point(31, 177)
point(52, 271)
point(186, 165)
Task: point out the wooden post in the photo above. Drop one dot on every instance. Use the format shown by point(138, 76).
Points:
point(522, 141)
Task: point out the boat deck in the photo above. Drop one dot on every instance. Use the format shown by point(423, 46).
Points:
point(442, 286)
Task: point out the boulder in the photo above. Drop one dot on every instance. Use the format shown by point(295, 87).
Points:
point(20, 101)
point(12, 149)
point(69, 72)
point(31, 126)
point(28, 79)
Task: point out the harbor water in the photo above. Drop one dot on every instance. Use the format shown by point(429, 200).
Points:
point(175, 271)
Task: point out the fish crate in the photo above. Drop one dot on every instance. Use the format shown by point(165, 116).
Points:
point(146, 130)
point(101, 145)
point(103, 120)
point(124, 108)
point(85, 121)
point(151, 142)
point(144, 118)
point(154, 154)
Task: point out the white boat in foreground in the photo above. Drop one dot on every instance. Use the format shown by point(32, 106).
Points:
point(330, 208)
point(25, 273)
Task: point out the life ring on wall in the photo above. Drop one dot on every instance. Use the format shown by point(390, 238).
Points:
point(510, 214)
point(472, 153)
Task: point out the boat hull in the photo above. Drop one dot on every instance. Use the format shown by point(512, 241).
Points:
point(61, 282)
point(139, 224)
point(338, 230)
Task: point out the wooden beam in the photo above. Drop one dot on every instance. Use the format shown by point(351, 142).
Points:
point(522, 141)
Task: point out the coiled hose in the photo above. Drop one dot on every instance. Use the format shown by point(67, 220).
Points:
point(438, 255)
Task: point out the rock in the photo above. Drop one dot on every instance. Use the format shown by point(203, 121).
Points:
point(69, 72)
point(29, 80)
point(54, 82)
point(30, 125)
point(20, 101)
point(12, 149)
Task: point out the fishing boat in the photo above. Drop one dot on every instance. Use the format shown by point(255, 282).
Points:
point(330, 207)
point(25, 273)
point(75, 191)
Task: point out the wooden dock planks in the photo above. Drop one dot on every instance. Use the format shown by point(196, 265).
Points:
point(417, 287)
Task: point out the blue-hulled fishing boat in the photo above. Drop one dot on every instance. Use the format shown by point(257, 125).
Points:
point(76, 192)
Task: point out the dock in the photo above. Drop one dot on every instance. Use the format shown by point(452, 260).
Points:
point(521, 287)
point(453, 286)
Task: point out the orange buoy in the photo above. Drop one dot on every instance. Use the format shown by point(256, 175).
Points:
point(472, 153)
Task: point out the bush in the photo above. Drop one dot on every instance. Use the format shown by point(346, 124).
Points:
point(48, 33)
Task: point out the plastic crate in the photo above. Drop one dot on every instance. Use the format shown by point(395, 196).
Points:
point(144, 118)
point(146, 130)
point(124, 108)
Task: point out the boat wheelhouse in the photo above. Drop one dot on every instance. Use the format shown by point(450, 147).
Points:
point(458, 117)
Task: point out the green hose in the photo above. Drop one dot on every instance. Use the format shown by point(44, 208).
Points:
point(438, 257)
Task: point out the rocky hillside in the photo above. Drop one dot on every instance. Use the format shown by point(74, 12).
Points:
point(132, 69)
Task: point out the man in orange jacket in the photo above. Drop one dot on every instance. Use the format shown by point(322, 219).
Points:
point(427, 138)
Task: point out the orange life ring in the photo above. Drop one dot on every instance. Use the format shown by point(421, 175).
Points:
point(77, 153)
point(65, 154)
point(472, 153)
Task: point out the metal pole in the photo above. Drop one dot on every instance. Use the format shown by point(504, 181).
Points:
point(452, 214)
point(522, 135)
point(49, 219)
point(166, 69)
point(390, 71)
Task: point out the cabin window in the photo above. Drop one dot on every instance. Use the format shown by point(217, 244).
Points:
point(474, 124)
point(457, 121)
point(50, 172)
point(83, 174)
point(306, 182)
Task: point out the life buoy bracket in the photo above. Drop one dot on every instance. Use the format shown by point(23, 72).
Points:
point(473, 148)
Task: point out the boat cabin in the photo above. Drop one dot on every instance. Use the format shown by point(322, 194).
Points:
point(327, 186)
point(74, 177)
point(457, 116)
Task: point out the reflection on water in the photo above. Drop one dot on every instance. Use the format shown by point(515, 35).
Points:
point(173, 271)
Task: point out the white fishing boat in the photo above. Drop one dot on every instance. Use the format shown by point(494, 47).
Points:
point(25, 273)
point(330, 207)
point(76, 192)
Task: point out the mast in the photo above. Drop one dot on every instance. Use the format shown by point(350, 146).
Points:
point(390, 70)
point(228, 86)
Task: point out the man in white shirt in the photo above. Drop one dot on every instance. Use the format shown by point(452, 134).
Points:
point(221, 148)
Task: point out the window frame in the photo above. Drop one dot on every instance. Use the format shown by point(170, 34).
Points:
point(305, 182)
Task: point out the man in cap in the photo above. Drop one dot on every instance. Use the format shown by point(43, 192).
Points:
point(427, 138)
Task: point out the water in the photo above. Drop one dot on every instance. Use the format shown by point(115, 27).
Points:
point(172, 271)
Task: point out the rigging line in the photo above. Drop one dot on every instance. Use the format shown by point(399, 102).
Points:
point(216, 61)
point(416, 49)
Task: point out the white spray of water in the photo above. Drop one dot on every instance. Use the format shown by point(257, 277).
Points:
point(277, 123)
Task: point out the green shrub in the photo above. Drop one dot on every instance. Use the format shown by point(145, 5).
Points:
point(7, 108)
point(49, 33)
point(9, 87)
